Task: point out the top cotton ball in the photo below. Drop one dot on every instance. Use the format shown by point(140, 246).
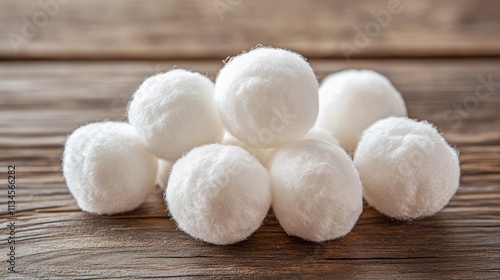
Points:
point(174, 112)
point(350, 101)
point(267, 97)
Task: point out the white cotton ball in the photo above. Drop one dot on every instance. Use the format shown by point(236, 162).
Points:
point(262, 154)
point(317, 193)
point(218, 193)
point(107, 169)
point(350, 101)
point(407, 168)
point(164, 168)
point(318, 133)
point(267, 97)
point(174, 112)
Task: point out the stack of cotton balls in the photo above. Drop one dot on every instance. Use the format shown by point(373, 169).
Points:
point(262, 136)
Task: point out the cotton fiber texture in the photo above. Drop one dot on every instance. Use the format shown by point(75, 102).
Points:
point(317, 193)
point(407, 168)
point(350, 101)
point(218, 193)
point(107, 169)
point(267, 97)
point(174, 112)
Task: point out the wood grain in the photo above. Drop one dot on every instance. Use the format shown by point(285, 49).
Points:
point(42, 102)
point(178, 29)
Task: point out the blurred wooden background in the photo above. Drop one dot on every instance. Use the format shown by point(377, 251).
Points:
point(65, 63)
point(159, 29)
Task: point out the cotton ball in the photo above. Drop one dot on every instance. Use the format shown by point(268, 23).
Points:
point(164, 168)
point(407, 168)
point(317, 193)
point(267, 97)
point(107, 169)
point(319, 133)
point(262, 154)
point(174, 112)
point(350, 101)
point(218, 193)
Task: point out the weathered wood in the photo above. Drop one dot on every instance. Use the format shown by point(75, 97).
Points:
point(175, 29)
point(40, 103)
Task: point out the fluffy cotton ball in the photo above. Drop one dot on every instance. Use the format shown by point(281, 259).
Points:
point(350, 101)
point(107, 169)
point(317, 193)
point(319, 133)
point(407, 168)
point(267, 97)
point(174, 112)
point(164, 168)
point(218, 193)
point(262, 154)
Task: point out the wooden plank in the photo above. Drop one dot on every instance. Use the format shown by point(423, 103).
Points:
point(177, 29)
point(41, 102)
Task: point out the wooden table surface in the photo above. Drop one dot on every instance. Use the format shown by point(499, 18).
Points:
point(83, 64)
